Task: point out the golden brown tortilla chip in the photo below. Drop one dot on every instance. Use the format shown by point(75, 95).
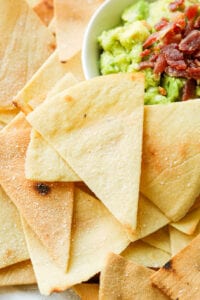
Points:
point(12, 241)
point(95, 233)
point(125, 280)
point(46, 207)
point(7, 115)
point(19, 274)
point(180, 277)
point(171, 157)
point(25, 45)
point(45, 10)
point(36, 90)
point(71, 20)
point(87, 291)
point(159, 239)
point(146, 255)
point(189, 223)
point(99, 133)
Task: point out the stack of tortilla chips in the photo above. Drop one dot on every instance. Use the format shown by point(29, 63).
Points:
point(91, 181)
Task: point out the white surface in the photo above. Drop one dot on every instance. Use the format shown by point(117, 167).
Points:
point(106, 17)
point(31, 293)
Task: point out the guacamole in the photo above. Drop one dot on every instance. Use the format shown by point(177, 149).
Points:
point(122, 50)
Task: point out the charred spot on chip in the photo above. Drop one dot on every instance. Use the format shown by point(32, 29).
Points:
point(85, 116)
point(63, 61)
point(68, 99)
point(42, 188)
point(168, 265)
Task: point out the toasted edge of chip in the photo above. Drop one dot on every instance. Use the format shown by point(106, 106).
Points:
point(159, 239)
point(87, 291)
point(189, 223)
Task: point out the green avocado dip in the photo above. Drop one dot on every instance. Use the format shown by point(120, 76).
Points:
point(142, 43)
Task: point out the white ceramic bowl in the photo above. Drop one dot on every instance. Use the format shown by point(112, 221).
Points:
point(106, 17)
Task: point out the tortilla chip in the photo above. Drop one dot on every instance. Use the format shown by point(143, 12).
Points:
point(32, 3)
point(31, 50)
point(12, 242)
point(189, 223)
point(171, 157)
point(123, 279)
point(159, 239)
point(52, 26)
point(94, 235)
point(149, 218)
point(180, 277)
point(18, 274)
point(7, 115)
point(99, 133)
point(46, 207)
point(43, 163)
point(71, 20)
point(45, 10)
point(180, 240)
point(87, 291)
point(36, 90)
point(146, 255)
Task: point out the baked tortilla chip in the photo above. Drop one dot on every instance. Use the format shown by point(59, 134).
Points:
point(99, 133)
point(71, 20)
point(189, 223)
point(36, 90)
point(45, 10)
point(43, 163)
point(180, 277)
point(125, 280)
point(87, 291)
point(94, 235)
point(31, 50)
point(146, 255)
point(171, 157)
point(12, 241)
point(19, 274)
point(159, 239)
point(7, 115)
point(46, 207)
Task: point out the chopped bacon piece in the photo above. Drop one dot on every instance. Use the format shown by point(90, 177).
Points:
point(153, 57)
point(175, 73)
point(146, 64)
point(146, 52)
point(193, 72)
point(160, 64)
point(191, 42)
point(175, 5)
point(189, 90)
point(191, 11)
point(172, 53)
point(197, 54)
point(197, 23)
point(151, 40)
point(162, 91)
point(160, 25)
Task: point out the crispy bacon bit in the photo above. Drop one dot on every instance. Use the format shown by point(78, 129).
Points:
point(197, 23)
point(193, 72)
point(189, 90)
point(146, 64)
point(175, 73)
point(191, 12)
point(151, 40)
point(191, 42)
point(175, 5)
point(160, 25)
point(160, 64)
point(146, 52)
point(162, 91)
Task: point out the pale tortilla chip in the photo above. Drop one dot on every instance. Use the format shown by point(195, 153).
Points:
point(46, 207)
point(159, 239)
point(189, 223)
point(45, 10)
point(43, 163)
point(12, 241)
point(32, 3)
point(19, 274)
point(99, 133)
point(180, 277)
point(87, 291)
point(146, 255)
point(36, 90)
point(179, 240)
point(125, 280)
point(95, 233)
point(25, 45)
point(171, 158)
point(71, 20)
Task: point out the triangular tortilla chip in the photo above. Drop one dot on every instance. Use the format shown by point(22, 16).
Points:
point(87, 291)
point(96, 126)
point(146, 255)
point(36, 90)
point(95, 233)
point(7, 115)
point(180, 240)
point(159, 239)
point(125, 280)
point(18, 274)
point(25, 45)
point(189, 223)
point(43, 163)
point(180, 277)
point(45, 10)
point(71, 20)
point(46, 207)
point(171, 158)
point(12, 241)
